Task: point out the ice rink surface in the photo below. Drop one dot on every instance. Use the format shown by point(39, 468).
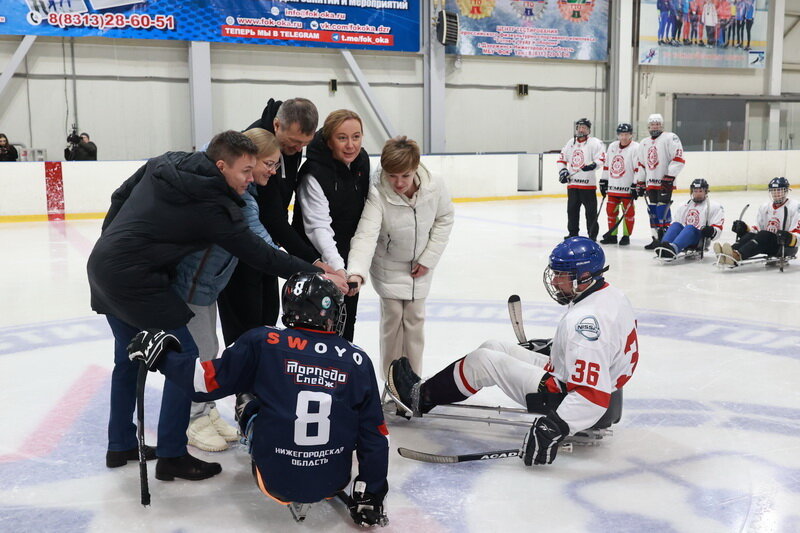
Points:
point(709, 439)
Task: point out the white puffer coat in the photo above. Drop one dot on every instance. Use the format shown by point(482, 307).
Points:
point(392, 236)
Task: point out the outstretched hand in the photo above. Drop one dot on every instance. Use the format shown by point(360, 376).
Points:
point(339, 279)
point(354, 283)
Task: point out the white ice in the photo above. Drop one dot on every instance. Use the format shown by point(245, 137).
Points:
point(708, 441)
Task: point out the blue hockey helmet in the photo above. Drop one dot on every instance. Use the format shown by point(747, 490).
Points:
point(311, 300)
point(778, 189)
point(580, 258)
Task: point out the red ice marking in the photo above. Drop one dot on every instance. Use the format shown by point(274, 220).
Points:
point(54, 186)
point(55, 425)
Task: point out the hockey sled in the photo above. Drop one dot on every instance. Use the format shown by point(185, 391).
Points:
point(691, 253)
point(726, 262)
point(517, 416)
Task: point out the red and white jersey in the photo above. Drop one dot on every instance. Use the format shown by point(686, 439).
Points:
point(659, 157)
point(701, 214)
point(620, 168)
point(784, 217)
point(577, 155)
point(595, 351)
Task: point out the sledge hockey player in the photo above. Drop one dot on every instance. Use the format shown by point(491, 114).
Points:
point(571, 378)
point(698, 219)
point(775, 233)
point(579, 158)
point(313, 399)
point(660, 162)
point(618, 182)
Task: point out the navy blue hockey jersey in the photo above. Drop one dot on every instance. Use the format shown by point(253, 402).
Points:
point(319, 403)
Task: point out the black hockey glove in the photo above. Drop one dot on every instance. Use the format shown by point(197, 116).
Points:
point(149, 345)
point(538, 345)
point(563, 175)
point(367, 507)
point(541, 443)
point(785, 238)
point(589, 167)
point(708, 232)
point(603, 187)
point(641, 188)
point(739, 228)
point(667, 183)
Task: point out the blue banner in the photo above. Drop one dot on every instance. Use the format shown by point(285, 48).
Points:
point(555, 29)
point(357, 24)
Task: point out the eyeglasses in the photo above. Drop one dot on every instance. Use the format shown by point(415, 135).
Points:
point(272, 165)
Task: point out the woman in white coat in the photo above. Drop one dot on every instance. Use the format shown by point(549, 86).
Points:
point(402, 233)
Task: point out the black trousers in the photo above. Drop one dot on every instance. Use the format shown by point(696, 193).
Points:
point(251, 299)
point(763, 242)
point(588, 199)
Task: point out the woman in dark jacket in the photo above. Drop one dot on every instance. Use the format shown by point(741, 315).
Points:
point(334, 182)
point(7, 150)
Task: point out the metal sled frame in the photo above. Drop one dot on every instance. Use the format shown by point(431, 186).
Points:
point(757, 260)
point(692, 253)
point(299, 510)
point(590, 437)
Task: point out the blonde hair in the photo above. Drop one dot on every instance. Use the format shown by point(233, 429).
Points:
point(265, 141)
point(336, 119)
point(400, 154)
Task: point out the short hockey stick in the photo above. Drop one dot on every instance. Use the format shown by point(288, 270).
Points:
point(515, 313)
point(783, 228)
point(615, 226)
point(596, 223)
point(140, 381)
point(435, 458)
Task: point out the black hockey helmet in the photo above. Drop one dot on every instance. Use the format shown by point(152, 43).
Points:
point(778, 189)
point(624, 127)
point(311, 300)
point(583, 122)
point(698, 183)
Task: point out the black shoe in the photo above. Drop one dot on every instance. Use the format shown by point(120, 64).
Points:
point(609, 239)
point(625, 241)
point(653, 245)
point(405, 385)
point(569, 237)
point(117, 459)
point(185, 467)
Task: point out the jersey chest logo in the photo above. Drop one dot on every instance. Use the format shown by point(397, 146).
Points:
point(577, 159)
point(652, 157)
point(693, 217)
point(317, 376)
point(773, 225)
point(588, 327)
point(617, 166)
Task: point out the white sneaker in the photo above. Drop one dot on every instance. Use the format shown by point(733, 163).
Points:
point(224, 430)
point(203, 435)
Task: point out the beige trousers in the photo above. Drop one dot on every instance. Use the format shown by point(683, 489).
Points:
point(402, 324)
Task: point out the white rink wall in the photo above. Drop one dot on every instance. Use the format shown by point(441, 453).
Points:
point(87, 185)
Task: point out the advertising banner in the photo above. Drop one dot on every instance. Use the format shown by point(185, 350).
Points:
point(357, 24)
point(703, 33)
point(556, 29)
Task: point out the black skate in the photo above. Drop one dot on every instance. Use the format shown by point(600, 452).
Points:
point(653, 245)
point(404, 388)
point(609, 239)
point(625, 241)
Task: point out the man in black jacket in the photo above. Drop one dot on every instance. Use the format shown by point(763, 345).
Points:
point(251, 297)
point(175, 204)
point(82, 150)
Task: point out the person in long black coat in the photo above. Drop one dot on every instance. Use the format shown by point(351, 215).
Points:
point(175, 204)
point(251, 297)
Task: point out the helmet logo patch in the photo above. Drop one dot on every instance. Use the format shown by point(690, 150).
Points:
point(589, 328)
point(326, 302)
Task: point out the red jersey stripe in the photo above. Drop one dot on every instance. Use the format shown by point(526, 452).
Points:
point(464, 378)
point(593, 395)
point(210, 375)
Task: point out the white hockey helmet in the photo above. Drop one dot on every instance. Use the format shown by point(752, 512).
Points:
point(655, 118)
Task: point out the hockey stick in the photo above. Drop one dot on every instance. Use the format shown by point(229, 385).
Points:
point(597, 218)
point(140, 381)
point(515, 313)
point(650, 209)
point(435, 458)
point(783, 228)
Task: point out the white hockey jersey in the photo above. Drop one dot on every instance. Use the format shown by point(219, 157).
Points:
point(620, 168)
point(786, 217)
point(577, 155)
point(659, 157)
point(595, 351)
point(705, 213)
